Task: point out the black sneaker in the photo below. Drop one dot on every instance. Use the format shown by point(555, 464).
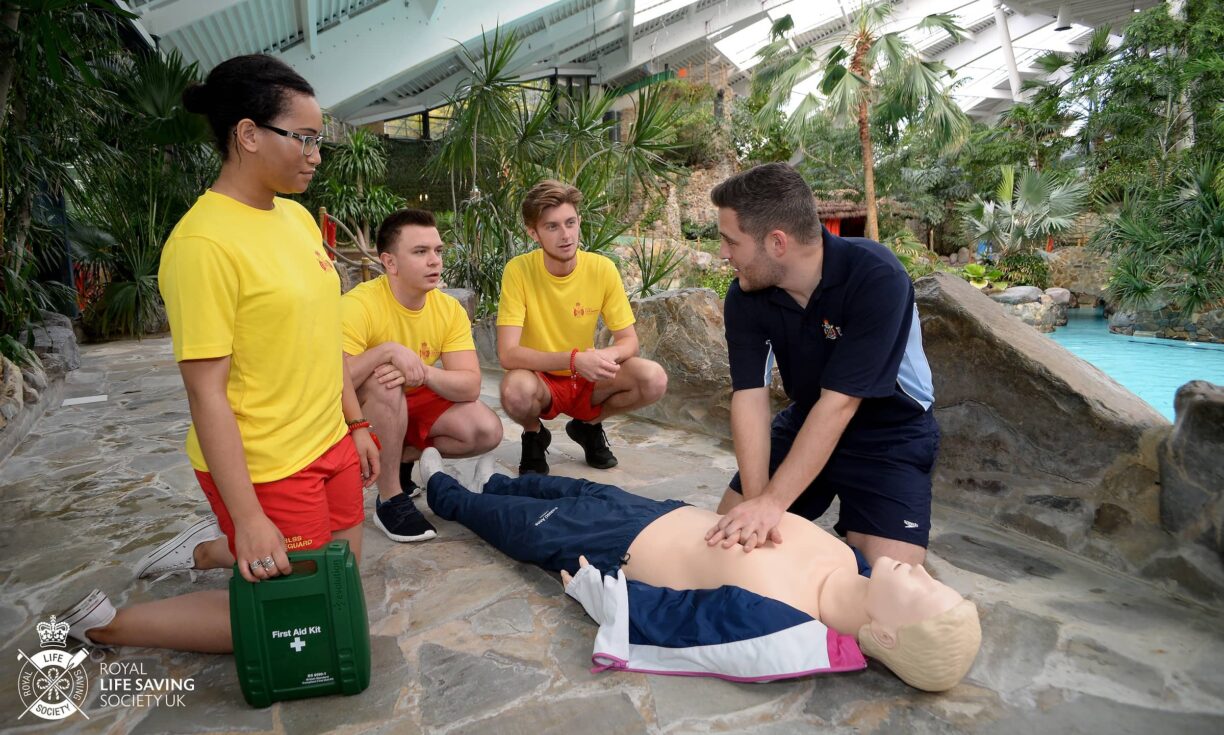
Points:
point(401, 521)
point(594, 442)
point(535, 447)
point(410, 488)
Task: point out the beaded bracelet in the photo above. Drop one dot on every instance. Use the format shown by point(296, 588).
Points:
point(363, 424)
point(574, 368)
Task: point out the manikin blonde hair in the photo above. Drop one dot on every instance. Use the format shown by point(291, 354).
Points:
point(933, 655)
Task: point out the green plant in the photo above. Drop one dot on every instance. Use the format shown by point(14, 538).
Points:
point(1168, 243)
point(1025, 213)
point(700, 136)
point(698, 230)
point(352, 188)
point(871, 78)
point(656, 264)
point(510, 135)
point(130, 199)
point(53, 112)
point(1024, 269)
point(917, 260)
point(719, 280)
point(980, 276)
point(656, 206)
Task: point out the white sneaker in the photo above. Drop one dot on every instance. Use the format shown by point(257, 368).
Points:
point(486, 466)
point(430, 462)
point(178, 554)
point(93, 611)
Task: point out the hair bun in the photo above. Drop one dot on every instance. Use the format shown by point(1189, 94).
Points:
point(197, 98)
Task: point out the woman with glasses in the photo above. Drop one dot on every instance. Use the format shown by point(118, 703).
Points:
point(276, 440)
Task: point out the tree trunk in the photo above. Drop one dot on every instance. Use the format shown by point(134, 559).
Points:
point(861, 47)
point(8, 58)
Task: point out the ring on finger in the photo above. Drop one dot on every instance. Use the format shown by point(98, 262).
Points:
point(268, 562)
point(255, 565)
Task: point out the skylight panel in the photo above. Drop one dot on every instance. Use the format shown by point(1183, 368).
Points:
point(648, 10)
point(741, 47)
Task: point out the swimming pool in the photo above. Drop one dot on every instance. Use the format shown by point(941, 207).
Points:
point(1151, 368)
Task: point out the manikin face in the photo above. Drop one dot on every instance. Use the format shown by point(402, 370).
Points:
point(899, 594)
point(284, 168)
point(557, 233)
point(415, 260)
point(754, 267)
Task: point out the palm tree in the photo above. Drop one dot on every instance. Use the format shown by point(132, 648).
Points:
point(1169, 242)
point(871, 77)
point(1025, 213)
point(510, 136)
point(1081, 92)
point(351, 188)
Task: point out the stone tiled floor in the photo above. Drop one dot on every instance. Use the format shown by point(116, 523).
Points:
point(468, 641)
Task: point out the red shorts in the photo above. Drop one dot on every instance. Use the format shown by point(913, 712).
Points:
point(424, 408)
point(570, 396)
point(307, 506)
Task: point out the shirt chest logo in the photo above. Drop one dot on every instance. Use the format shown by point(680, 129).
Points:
point(581, 311)
point(426, 351)
point(324, 263)
point(831, 331)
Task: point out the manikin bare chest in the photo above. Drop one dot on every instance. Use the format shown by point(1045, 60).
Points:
point(672, 552)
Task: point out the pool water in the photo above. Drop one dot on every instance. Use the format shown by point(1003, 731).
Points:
point(1151, 368)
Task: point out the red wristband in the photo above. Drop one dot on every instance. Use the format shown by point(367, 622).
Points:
point(574, 366)
point(363, 424)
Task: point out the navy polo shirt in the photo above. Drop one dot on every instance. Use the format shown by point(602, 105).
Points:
point(859, 335)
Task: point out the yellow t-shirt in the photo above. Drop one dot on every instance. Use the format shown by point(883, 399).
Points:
point(560, 314)
point(371, 315)
point(256, 285)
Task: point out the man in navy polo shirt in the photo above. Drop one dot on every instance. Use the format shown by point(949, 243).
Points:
point(837, 315)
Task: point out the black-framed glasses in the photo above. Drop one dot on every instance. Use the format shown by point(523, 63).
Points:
point(310, 143)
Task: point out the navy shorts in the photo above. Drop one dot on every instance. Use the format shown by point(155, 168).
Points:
point(882, 476)
point(550, 521)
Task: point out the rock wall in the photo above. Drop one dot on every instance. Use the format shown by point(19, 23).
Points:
point(1036, 439)
point(1038, 309)
point(27, 391)
point(694, 194)
point(1081, 271)
point(1170, 323)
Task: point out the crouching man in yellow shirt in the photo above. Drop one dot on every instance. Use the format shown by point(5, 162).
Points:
point(551, 300)
point(409, 349)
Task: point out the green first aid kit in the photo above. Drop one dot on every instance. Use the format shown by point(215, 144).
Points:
point(305, 634)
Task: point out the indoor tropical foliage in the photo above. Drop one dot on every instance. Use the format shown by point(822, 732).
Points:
point(510, 136)
point(1170, 245)
point(872, 77)
point(1024, 213)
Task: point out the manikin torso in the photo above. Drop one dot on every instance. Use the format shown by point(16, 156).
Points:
point(672, 552)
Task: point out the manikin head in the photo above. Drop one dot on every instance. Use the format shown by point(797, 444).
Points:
point(764, 214)
point(410, 249)
point(265, 120)
point(550, 213)
point(921, 629)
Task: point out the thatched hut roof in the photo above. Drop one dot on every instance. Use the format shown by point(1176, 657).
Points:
point(843, 204)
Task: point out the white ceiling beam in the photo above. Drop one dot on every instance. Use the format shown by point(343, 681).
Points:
point(627, 27)
point(728, 16)
point(539, 50)
point(432, 8)
point(308, 19)
point(374, 49)
point(169, 17)
point(967, 52)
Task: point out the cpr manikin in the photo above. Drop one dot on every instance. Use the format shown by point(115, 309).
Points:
point(923, 630)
